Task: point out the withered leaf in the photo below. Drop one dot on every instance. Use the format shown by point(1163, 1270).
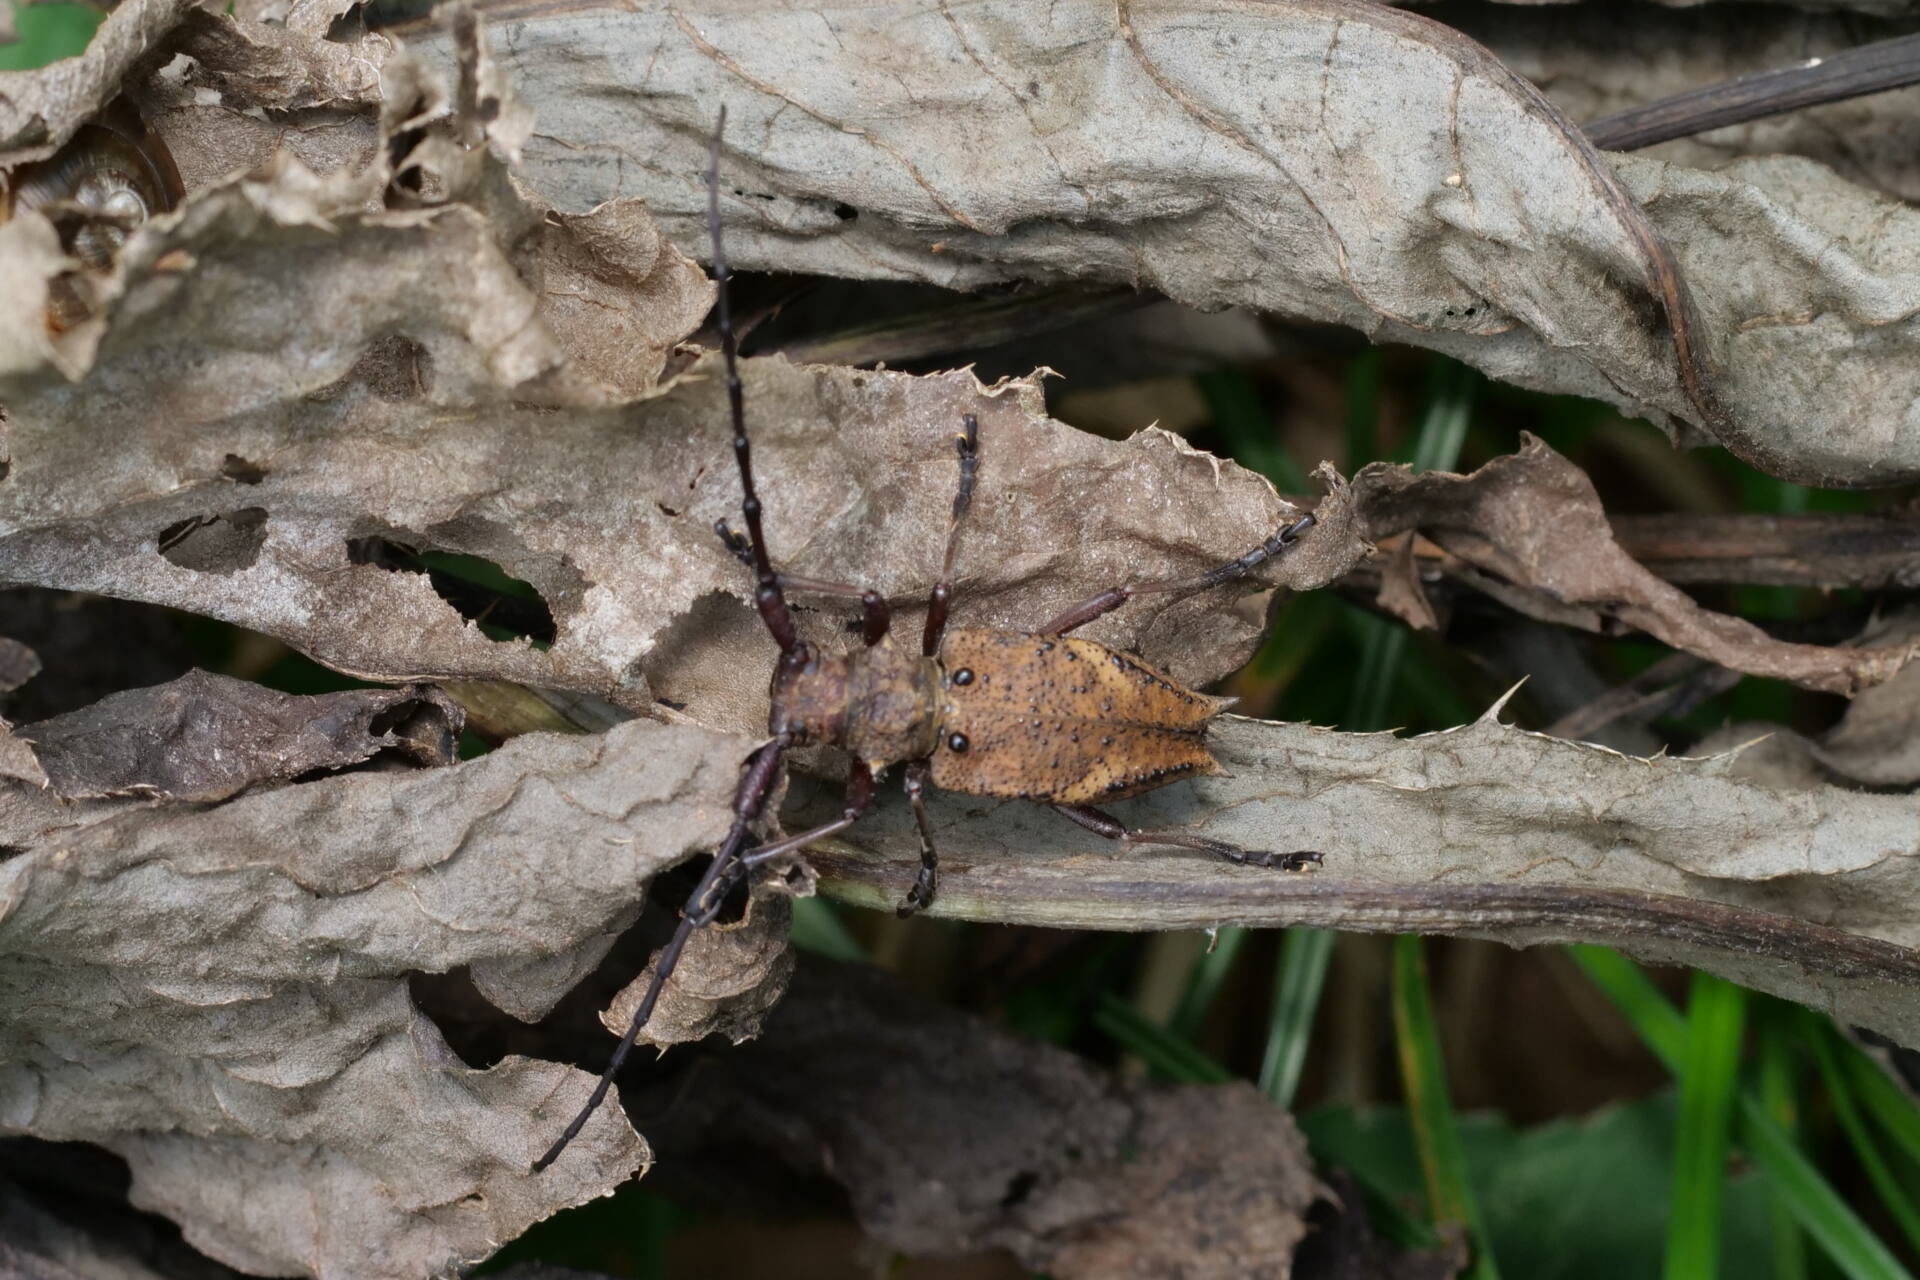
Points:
point(1114, 144)
point(205, 737)
point(952, 1136)
point(1534, 520)
point(1483, 831)
point(728, 978)
point(1876, 743)
point(219, 994)
point(496, 430)
point(18, 664)
point(39, 110)
point(1592, 64)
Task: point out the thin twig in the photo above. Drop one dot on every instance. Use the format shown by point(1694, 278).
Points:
point(1871, 68)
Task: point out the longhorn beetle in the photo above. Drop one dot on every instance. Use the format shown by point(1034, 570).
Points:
point(1025, 715)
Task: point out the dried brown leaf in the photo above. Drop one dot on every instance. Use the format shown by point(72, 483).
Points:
point(1593, 64)
point(206, 737)
point(952, 1136)
point(1876, 743)
point(428, 376)
point(728, 978)
point(91, 646)
point(262, 65)
point(219, 994)
point(1534, 520)
point(1117, 145)
point(1484, 831)
point(18, 664)
point(39, 110)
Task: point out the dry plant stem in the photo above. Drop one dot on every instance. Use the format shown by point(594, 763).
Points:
point(1675, 678)
point(1871, 68)
point(1818, 550)
point(964, 325)
point(1811, 550)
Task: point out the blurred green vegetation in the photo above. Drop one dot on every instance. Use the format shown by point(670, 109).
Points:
point(46, 33)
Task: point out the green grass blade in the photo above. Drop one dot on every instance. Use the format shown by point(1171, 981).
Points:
point(1443, 1162)
point(1716, 1020)
point(1628, 985)
point(1443, 427)
point(817, 927)
point(1362, 386)
point(1297, 984)
point(1382, 643)
point(1203, 984)
point(1779, 1090)
point(1253, 438)
point(1893, 1112)
point(1834, 1226)
point(1167, 1055)
point(1855, 1250)
point(1820, 1037)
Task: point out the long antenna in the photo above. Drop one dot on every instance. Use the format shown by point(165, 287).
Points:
point(762, 767)
point(767, 594)
point(755, 785)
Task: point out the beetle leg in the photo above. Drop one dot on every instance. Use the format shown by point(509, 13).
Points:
point(756, 784)
point(875, 616)
point(1105, 824)
point(705, 906)
point(920, 897)
point(1113, 597)
point(968, 445)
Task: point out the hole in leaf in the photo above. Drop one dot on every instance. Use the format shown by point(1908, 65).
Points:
point(503, 606)
point(224, 542)
point(1019, 1187)
point(393, 368)
point(240, 471)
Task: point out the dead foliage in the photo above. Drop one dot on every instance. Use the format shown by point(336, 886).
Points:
point(393, 324)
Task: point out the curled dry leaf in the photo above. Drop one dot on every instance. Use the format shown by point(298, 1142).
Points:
point(206, 737)
point(219, 994)
point(728, 978)
point(1876, 743)
point(90, 646)
point(952, 1136)
point(1534, 520)
point(39, 110)
point(80, 1228)
point(442, 375)
point(1483, 831)
point(18, 664)
point(1118, 145)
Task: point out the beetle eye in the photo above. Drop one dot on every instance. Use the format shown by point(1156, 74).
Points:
point(964, 676)
point(956, 742)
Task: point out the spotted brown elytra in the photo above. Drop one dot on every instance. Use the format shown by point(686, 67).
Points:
point(1040, 716)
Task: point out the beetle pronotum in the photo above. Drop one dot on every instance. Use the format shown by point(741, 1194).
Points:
point(1035, 715)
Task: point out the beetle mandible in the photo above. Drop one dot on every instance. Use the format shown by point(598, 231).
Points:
point(1039, 715)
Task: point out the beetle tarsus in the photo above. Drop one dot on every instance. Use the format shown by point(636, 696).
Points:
point(1102, 823)
point(920, 896)
point(1105, 602)
point(1298, 860)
